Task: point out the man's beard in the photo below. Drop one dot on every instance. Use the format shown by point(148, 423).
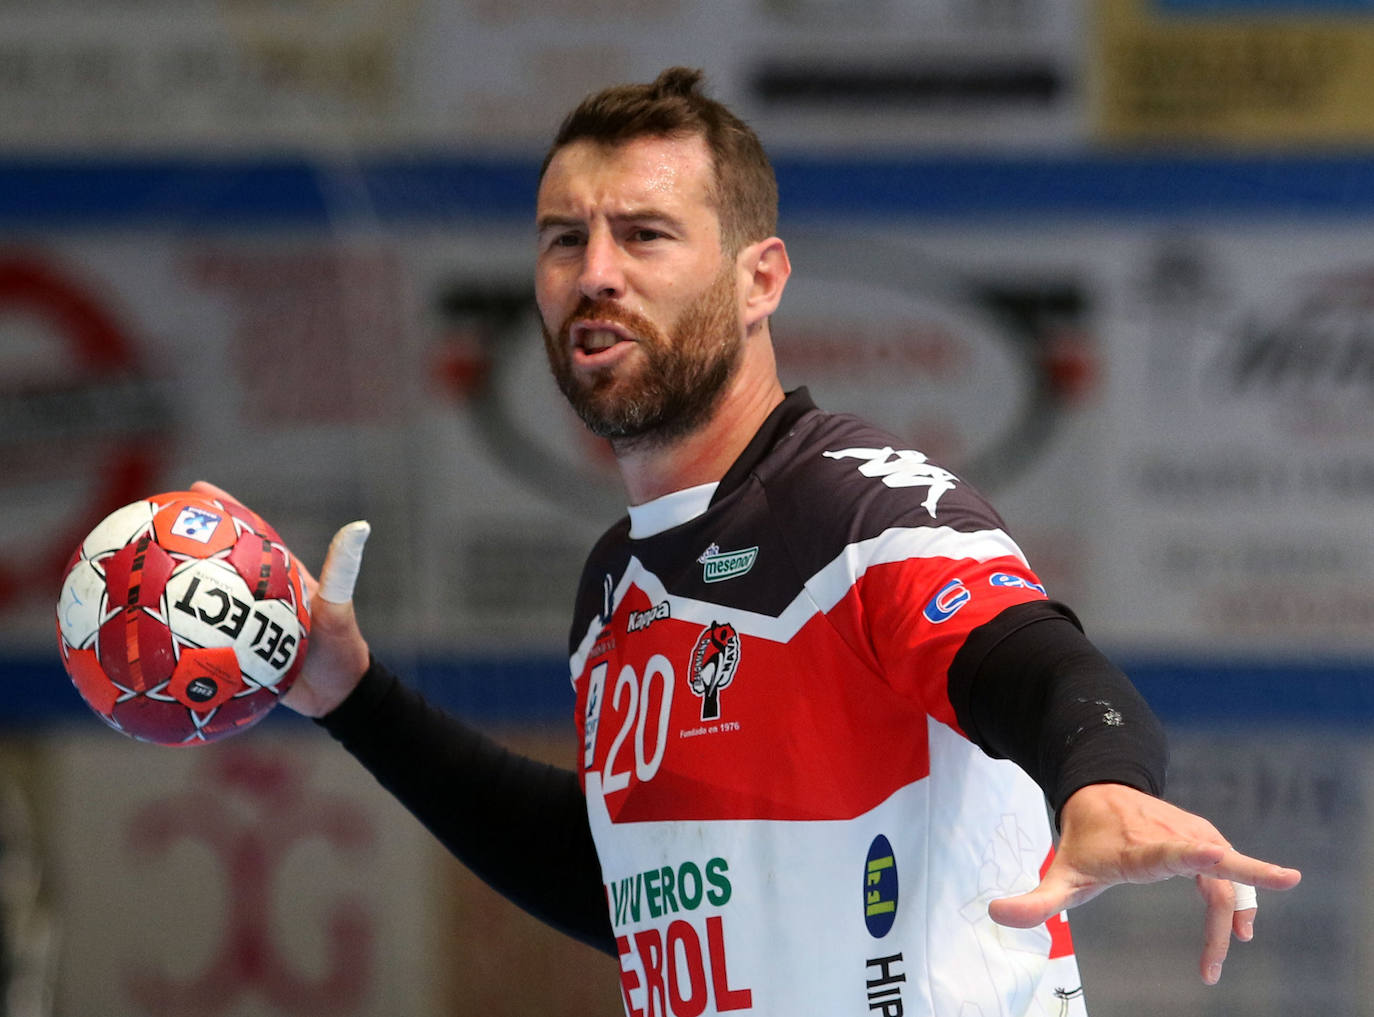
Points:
point(680, 382)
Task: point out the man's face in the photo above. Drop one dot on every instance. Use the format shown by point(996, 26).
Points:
point(640, 311)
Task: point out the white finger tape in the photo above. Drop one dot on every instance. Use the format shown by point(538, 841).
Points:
point(343, 562)
point(1245, 897)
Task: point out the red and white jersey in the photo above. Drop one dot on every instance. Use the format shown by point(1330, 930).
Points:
point(788, 816)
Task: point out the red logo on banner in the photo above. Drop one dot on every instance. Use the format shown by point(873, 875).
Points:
point(96, 421)
point(250, 959)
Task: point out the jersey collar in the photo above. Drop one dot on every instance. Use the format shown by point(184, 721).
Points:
point(669, 510)
point(777, 426)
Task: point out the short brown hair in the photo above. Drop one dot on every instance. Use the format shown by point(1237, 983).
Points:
point(744, 189)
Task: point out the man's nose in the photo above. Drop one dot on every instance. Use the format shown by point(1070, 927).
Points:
point(602, 273)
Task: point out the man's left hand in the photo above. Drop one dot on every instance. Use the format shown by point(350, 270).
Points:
point(1113, 834)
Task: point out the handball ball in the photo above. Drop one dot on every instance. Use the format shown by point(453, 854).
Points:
point(182, 618)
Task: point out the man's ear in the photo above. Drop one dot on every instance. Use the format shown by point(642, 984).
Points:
point(763, 269)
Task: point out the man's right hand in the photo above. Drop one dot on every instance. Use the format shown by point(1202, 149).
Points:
point(337, 654)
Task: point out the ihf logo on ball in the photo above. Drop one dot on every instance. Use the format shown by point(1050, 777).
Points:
point(196, 524)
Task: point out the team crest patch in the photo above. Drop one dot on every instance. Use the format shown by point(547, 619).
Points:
point(715, 658)
point(718, 565)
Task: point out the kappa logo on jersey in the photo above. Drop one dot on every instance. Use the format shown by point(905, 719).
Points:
point(715, 658)
point(643, 619)
point(902, 468)
point(946, 604)
point(717, 566)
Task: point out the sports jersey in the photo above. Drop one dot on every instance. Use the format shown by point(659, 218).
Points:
point(788, 816)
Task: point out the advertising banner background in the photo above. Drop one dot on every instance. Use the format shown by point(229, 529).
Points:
point(228, 76)
point(1264, 75)
point(256, 877)
point(1174, 421)
point(288, 249)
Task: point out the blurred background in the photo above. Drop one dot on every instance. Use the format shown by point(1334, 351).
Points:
point(1113, 261)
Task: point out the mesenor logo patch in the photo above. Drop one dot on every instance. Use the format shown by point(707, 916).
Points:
point(724, 565)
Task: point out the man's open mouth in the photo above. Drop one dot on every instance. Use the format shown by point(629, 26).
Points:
point(597, 336)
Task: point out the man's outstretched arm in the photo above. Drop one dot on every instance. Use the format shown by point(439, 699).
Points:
point(1030, 687)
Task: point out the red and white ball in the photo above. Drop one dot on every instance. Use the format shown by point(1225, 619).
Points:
point(182, 619)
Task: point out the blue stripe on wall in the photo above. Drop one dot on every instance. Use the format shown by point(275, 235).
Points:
point(535, 690)
point(191, 194)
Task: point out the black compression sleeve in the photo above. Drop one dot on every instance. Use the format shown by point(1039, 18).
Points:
point(519, 824)
point(1028, 686)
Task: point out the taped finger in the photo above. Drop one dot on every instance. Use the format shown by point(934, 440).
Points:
point(1246, 898)
point(343, 562)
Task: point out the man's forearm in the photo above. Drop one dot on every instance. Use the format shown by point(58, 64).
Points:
point(519, 824)
point(1029, 686)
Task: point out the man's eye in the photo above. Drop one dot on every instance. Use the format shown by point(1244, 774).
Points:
point(566, 240)
point(645, 234)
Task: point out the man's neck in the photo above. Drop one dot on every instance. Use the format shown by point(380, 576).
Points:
point(703, 456)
